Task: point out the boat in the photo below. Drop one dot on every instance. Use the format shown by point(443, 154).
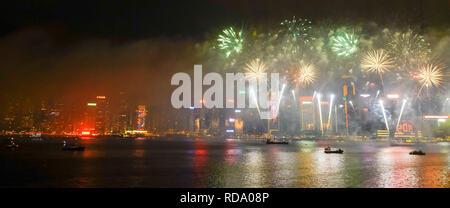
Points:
point(402, 144)
point(417, 152)
point(73, 148)
point(270, 141)
point(328, 150)
point(13, 146)
point(36, 135)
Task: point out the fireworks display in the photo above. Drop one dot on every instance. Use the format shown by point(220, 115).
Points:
point(330, 112)
point(304, 74)
point(230, 41)
point(256, 69)
point(409, 50)
point(377, 61)
point(226, 94)
point(344, 44)
point(301, 50)
point(384, 114)
point(430, 75)
point(297, 33)
point(400, 115)
point(319, 104)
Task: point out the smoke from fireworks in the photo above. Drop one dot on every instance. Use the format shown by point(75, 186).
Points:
point(256, 69)
point(304, 74)
point(344, 44)
point(319, 103)
point(377, 61)
point(275, 109)
point(384, 115)
point(230, 41)
point(330, 112)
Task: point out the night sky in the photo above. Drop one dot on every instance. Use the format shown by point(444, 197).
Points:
point(131, 20)
point(76, 49)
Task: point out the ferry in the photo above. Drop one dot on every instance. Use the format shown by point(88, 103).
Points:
point(71, 147)
point(275, 141)
point(328, 150)
point(417, 152)
point(12, 145)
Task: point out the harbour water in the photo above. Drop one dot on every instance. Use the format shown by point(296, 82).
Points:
point(208, 162)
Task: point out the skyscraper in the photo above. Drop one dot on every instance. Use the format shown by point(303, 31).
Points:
point(141, 116)
point(103, 116)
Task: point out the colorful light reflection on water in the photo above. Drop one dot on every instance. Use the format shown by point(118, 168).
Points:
point(201, 162)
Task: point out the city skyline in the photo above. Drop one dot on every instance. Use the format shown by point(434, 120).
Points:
point(224, 94)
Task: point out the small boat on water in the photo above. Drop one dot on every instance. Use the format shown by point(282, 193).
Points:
point(329, 150)
point(12, 145)
point(417, 152)
point(36, 135)
point(273, 141)
point(71, 147)
point(402, 144)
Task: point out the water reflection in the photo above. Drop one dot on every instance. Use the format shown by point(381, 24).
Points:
point(305, 173)
point(139, 153)
point(199, 162)
point(227, 163)
point(396, 168)
point(435, 175)
point(89, 153)
point(285, 168)
point(254, 176)
point(304, 164)
point(328, 168)
point(232, 152)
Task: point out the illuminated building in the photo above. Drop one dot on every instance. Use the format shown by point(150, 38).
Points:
point(325, 107)
point(103, 116)
point(97, 117)
point(429, 122)
point(123, 120)
point(238, 126)
point(56, 118)
point(42, 118)
point(406, 128)
point(18, 115)
point(89, 118)
point(10, 116)
point(141, 116)
point(348, 94)
point(307, 113)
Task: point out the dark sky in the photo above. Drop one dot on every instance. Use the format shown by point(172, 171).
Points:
point(125, 20)
point(79, 49)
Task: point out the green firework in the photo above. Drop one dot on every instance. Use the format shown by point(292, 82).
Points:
point(344, 44)
point(230, 41)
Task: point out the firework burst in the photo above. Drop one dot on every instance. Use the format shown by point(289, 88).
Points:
point(256, 70)
point(344, 44)
point(230, 41)
point(409, 50)
point(304, 74)
point(430, 75)
point(377, 61)
point(297, 33)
